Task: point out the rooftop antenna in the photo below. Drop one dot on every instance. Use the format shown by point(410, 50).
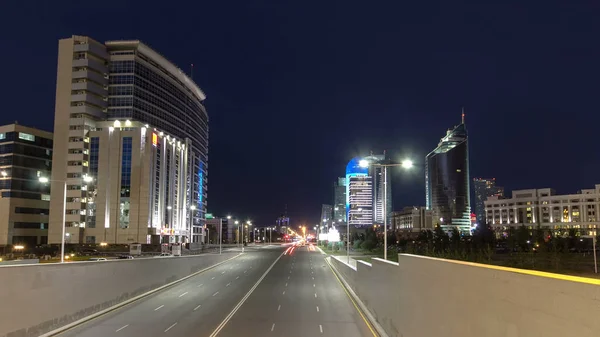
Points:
point(463, 115)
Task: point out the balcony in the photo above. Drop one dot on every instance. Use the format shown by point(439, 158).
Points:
point(93, 99)
point(91, 87)
point(92, 48)
point(88, 110)
point(100, 67)
point(85, 74)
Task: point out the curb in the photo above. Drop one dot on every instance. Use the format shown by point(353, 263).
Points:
point(129, 301)
point(362, 306)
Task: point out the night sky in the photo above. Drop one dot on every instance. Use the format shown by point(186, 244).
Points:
point(295, 89)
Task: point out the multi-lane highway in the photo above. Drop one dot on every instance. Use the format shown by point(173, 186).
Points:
point(267, 291)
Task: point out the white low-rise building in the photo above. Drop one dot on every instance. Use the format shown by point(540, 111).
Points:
point(544, 208)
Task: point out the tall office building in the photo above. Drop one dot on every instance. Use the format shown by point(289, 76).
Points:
point(379, 191)
point(483, 189)
point(359, 194)
point(326, 215)
point(447, 180)
point(25, 155)
point(339, 201)
point(131, 146)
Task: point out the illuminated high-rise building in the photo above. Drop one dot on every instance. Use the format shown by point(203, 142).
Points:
point(359, 194)
point(447, 180)
point(483, 189)
point(339, 201)
point(136, 125)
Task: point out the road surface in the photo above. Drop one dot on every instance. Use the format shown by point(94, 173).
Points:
point(293, 294)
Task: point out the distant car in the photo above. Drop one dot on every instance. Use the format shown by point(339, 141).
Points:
point(125, 257)
point(165, 255)
point(98, 259)
point(89, 252)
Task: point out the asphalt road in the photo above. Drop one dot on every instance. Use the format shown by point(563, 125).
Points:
point(298, 295)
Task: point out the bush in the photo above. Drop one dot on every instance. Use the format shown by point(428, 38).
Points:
point(368, 244)
point(357, 244)
point(336, 248)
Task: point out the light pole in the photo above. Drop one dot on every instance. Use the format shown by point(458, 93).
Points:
point(238, 233)
point(407, 164)
point(190, 229)
point(45, 180)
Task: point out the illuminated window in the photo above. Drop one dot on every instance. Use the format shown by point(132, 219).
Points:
point(26, 136)
point(2, 136)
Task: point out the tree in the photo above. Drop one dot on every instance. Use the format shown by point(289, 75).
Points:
point(455, 241)
point(441, 240)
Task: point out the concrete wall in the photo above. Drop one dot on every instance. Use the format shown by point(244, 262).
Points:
point(39, 298)
point(422, 296)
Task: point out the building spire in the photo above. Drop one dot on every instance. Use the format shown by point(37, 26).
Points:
point(463, 115)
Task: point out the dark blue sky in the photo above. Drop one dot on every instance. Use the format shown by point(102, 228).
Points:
point(296, 88)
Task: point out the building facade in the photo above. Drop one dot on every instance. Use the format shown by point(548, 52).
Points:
point(359, 195)
point(339, 201)
point(412, 220)
point(381, 196)
point(447, 180)
point(25, 155)
point(484, 188)
point(132, 147)
point(326, 215)
point(544, 208)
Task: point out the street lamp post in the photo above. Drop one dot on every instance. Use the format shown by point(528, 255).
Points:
point(190, 229)
point(407, 164)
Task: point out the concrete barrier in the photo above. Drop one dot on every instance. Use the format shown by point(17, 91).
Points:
point(421, 297)
point(40, 298)
point(19, 262)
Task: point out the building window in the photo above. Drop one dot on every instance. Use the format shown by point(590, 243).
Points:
point(90, 239)
point(46, 197)
point(2, 135)
point(94, 152)
point(26, 136)
point(125, 182)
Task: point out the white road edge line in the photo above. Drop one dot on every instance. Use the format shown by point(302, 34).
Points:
point(273, 327)
point(169, 328)
point(159, 307)
point(185, 293)
point(196, 308)
point(121, 328)
point(237, 307)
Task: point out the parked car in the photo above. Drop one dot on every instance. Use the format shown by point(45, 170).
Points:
point(98, 259)
point(125, 257)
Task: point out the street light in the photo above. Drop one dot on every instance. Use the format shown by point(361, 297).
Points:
point(406, 164)
point(191, 229)
point(238, 233)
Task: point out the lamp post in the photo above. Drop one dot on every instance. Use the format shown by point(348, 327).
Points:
point(45, 180)
point(238, 232)
point(190, 229)
point(406, 164)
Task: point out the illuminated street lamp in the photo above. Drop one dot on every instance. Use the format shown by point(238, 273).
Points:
point(406, 164)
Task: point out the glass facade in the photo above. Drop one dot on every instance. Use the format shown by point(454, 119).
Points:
point(125, 182)
point(483, 189)
point(447, 180)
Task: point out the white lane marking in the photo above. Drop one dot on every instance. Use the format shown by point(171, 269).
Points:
point(196, 308)
point(314, 285)
point(215, 294)
point(273, 327)
point(200, 285)
point(290, 271)
point(222, 273)
point(213, 278)
point(245, 271)
point(283, 293)
point(313, 277)
point(185, 293)
point(231, 268)
point(169, 328)
point(288, 277)
point(237, 277)
point(241, 302)
point(159, 307)
point(317, 308)
point(279, 307)
point(228, 284)
point(315, 295)
point(321, 328)
point(121, 328)
point(286, 284)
